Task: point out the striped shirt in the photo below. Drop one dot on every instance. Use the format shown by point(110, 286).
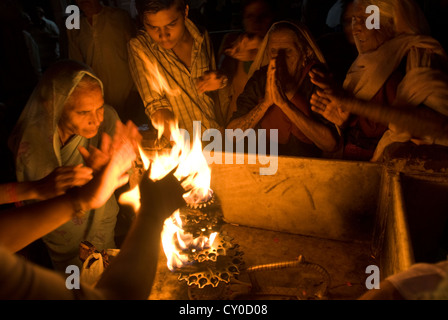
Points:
point(175, 89)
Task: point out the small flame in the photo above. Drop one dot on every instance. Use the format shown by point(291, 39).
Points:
point(177, 244)
point(131, 198)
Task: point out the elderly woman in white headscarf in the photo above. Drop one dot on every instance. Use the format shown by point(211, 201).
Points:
point(276, 97)
point(59, 130)
point(399, 69)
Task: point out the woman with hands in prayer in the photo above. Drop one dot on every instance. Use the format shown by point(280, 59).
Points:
point(278, 92)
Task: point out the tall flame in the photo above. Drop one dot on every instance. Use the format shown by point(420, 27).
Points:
point(192, 167)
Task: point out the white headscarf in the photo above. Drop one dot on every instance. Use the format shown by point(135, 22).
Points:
point(262, 57)
point(37, 149)
point(422, 84)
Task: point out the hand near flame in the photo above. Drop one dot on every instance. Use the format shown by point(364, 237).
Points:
point(163, 120)
point(97, 158)
point(163, 196)
point(120, 153)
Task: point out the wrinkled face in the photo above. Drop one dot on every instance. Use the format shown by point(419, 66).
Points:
point(83, 113)
point(166, 27)
point(366, 40)
point(257, 19)
point(283, 46)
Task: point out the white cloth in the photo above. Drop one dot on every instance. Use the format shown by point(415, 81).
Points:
point(36, 146)
point(423, 83)
point(421, 280)
point(22, 280)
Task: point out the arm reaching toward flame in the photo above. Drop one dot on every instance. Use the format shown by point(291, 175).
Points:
point(21, 226)
point(131, 273)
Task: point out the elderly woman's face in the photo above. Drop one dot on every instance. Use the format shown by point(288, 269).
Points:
point(284, 43)
point(366, 40)
point(83, 113)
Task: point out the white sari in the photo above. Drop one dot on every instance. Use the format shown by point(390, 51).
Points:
point(37, 149)
point(422, 85)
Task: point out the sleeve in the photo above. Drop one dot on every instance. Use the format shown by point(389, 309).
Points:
point(141, 68)
point(22, 280)
point(252, 94)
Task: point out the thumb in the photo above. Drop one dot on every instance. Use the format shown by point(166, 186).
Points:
point(84, 153)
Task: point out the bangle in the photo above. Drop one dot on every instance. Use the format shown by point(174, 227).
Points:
point(73, 193)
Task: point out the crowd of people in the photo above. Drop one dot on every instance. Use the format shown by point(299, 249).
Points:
point(335, 89)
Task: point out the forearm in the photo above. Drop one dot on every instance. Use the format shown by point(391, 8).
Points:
point(21, 226)
point(320, 134)
point(18, 191)
point(251, 119)
point(131, 274)
point(420, 121)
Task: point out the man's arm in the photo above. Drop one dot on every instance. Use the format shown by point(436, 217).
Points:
point(144, 72)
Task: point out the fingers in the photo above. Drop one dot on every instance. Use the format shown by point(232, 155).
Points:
point(319, 100)
point(106, 143)
point(319, 79)
point(84, 153)
point(211, 81)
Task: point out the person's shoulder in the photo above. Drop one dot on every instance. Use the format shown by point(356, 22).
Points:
point(140, 39)
point(196, 30)
point(110, 112)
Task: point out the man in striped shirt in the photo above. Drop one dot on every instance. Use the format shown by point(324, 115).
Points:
point(172, 64)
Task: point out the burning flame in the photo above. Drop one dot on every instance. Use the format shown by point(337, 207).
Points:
point(157, 81)
point(191, 166)
point(177, 244)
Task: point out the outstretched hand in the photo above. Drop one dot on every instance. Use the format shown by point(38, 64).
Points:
point(211, 81)
point(161, 197)
point(114, 174)
point(98, 158)
point(329, 101)
point(61, 179)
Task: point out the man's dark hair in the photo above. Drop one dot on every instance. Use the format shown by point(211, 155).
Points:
point(154, 6)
